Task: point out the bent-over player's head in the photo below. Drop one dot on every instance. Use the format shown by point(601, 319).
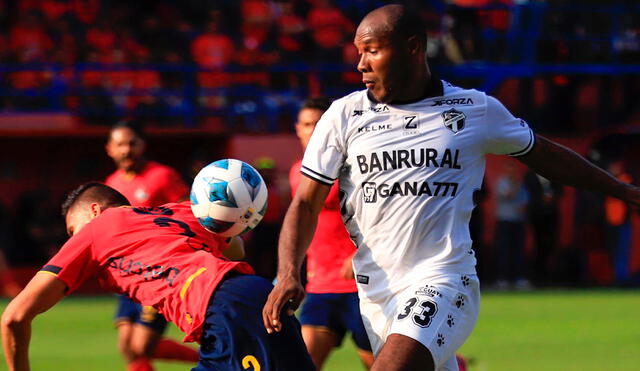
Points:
point(87, 202)
point(308, 116)
point(126, 145)
point(392, 42)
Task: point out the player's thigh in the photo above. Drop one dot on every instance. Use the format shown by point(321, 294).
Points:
point(319, 342)
point(234, 337)
point(402, 353)
point(440, 313)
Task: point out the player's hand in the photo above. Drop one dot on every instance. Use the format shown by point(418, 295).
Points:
point(287, 292)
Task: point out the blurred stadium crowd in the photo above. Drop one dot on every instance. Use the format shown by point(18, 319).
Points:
point(190, 62)
point(570, 68)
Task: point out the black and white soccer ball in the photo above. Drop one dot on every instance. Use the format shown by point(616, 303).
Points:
point(228, 197)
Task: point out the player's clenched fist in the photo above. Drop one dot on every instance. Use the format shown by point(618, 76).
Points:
point(288, 293)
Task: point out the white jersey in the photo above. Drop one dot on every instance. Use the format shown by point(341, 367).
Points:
point(407, 176)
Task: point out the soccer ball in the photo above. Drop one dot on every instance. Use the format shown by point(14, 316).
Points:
point(228, 197)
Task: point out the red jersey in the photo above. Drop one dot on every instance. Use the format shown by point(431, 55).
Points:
point(158, 256)
point(330, 246)
point(156, 184)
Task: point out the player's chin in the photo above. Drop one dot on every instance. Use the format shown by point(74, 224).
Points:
point(379, 96)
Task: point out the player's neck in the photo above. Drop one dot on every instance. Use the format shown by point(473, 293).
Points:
point(135, 169)
point(429, 87)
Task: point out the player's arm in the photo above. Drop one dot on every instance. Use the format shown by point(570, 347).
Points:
point(235, 251)
point(42, 292)
point(558, 163)
point(297, 232)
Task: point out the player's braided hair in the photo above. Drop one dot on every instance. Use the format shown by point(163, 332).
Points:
point(98, 192)
point(319, 103)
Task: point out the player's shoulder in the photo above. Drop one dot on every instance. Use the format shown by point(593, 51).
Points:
point(463, 96)
point(113, 177)
point(155, 169)
point(345, 106)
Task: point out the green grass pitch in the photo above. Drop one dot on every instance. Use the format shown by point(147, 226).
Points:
point(564, 330)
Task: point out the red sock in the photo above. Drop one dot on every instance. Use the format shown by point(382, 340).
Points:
point(171, 349)
point(140, 364)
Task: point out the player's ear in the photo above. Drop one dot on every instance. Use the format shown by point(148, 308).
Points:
point(95, 210)
point(414, 45)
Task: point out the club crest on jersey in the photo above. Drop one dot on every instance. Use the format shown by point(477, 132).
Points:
point(454, 120)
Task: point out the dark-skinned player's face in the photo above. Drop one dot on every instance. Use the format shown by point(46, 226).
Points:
point(383, 64)
point(125, 148)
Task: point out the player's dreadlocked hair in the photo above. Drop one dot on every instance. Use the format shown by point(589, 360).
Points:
point(319, 103)
point(104, 195)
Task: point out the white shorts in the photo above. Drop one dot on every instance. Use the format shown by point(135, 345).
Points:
point(438, 311)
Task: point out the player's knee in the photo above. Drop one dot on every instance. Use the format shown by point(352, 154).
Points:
point(141, 349)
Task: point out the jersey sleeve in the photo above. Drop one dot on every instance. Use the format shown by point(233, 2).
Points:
point(506, 134)
point(74, 263)
point(326, 152)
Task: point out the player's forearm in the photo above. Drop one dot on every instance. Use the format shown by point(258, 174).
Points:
point(15, 340)
point(297, 231)
point(558, 163)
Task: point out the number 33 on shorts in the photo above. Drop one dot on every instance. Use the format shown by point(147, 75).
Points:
point(421, 314)
point(250, 363)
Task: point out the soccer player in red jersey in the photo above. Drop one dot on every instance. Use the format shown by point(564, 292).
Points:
point(143, 183)
point(161, 257)
point(331, 306)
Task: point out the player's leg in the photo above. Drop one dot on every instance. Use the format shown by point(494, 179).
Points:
point(143, 341)
point(432, 320)
point(319, 342)
point(127, 312)
point(402, 353)
point(234, 338)
point(318, 333)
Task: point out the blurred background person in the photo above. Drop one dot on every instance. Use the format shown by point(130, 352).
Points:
point(146, 184)
point(511, 218)
point(331, 308)
point(544, 218)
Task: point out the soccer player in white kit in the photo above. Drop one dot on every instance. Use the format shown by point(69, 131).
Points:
point(409, 152)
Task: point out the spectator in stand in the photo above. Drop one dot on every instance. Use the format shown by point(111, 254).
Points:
point(86, 11)
point(495, 19)
point(212, 51)
point(94, 104)
point(544, 196)
point(330, 28)
point(292, 36)
point(143, 183)
point(618, 228)
point(256, 50)
point(102, 37)
point(29, 38)
point(466, 29)
point(25, 82)
point(511, 218)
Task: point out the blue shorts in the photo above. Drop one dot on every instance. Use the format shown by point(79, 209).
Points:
point(337, 313)
point(130, 311)
point(234, 337)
